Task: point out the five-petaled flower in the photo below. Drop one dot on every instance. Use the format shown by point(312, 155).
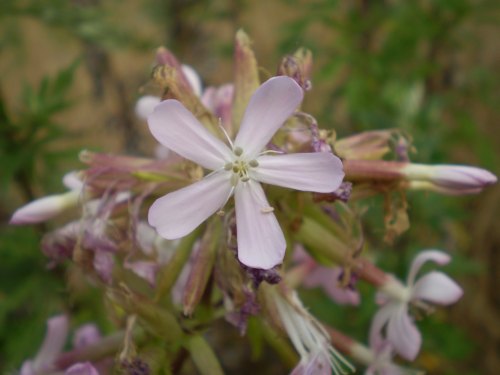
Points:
point(238, 170)
point(435, 287)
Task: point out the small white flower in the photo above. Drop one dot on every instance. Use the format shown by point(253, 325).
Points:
point(239, 170)
point(435, 287)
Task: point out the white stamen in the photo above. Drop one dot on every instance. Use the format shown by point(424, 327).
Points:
point(225, 133)
point(271, 152)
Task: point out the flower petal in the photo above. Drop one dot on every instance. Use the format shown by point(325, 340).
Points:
point(273, 102)
point(438, 288)
point(435, 256)
point(176, 128)
point(86, 335)
point(81, 368)
point(180, 212)
point(261, 243)
point(379, 321)
point(315, 171)
point(53, 343)
point(193, 78)
point(403, 334)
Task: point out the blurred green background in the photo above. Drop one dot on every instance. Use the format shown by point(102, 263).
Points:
point(71, 71)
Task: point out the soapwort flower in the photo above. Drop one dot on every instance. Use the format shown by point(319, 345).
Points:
point(434, 287)
point(239, 170)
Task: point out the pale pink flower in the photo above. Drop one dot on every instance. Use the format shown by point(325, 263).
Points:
point(52, 346)
point(327, 278)
point(239, 170)
point(435, 287)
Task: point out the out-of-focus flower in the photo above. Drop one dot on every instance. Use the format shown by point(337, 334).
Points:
point(48, 207)
point(147, 103)
point(86, 335)
point(379, 360)
point(317, 356)
point(45, 361)
point(451, 179)
point(400, 330)
point(327, 278)
point(52, 346)
point(239, 170)
point(219, 101)
point(84, 368)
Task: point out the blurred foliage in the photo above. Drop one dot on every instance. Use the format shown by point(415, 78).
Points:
point(378, 65)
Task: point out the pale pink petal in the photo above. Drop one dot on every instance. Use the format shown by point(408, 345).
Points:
point(378, 323)
point(103, 265)
point(438, 288)
point(72, 181)
point(273, 102)
point(403, 334)
point(144, 269)
point(86, 335)
point(328, 279)
point(180, 212)
point(261, 243)
point(53, 343)
point(316, 171)
point(435, 256)
point(176, 128)
point(193, 78)
point(84, 368)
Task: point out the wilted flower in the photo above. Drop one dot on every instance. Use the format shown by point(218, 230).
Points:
point(239, 170)
point(435, 287)
point(317, 356)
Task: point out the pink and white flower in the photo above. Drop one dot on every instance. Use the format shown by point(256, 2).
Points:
point(239, 170)
point(400, 330)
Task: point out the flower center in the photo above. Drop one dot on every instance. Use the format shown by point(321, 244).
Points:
point(240, 167)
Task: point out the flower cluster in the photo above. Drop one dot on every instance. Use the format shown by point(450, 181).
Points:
point(172, 253)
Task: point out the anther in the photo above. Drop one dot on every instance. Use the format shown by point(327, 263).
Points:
point(253, 163)
point(266, 210)
point(228, 166)
point(245, 179)
point(238, 151)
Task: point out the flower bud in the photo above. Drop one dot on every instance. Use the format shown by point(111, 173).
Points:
point(448, 179)
point(45, 208)
point(145, 106)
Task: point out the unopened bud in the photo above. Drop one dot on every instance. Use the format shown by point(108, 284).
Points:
point(448, 179)
point(145, 106)
point(45, 208)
